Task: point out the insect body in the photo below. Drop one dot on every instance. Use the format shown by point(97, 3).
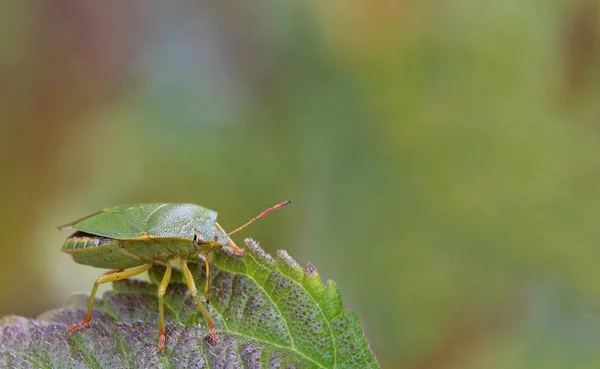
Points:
point(129, 239)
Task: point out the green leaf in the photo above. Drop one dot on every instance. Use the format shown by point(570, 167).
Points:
point(268, 312)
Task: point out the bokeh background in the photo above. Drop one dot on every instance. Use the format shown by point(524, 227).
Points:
point(442, 157)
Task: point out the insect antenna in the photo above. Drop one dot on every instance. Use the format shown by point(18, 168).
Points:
point(260, 216)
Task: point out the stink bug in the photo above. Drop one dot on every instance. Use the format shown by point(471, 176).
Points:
point(129, 239)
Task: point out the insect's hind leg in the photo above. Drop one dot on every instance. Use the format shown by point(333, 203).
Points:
point(194, 292)
point(110, 276)
point(162, 289)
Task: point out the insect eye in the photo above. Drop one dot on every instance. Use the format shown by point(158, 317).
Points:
point(198, 240)
point(216, 238)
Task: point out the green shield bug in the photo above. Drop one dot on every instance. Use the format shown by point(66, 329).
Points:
point(129, 239)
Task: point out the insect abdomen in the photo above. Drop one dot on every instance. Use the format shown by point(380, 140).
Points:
point(82, 240)
point(100, 252)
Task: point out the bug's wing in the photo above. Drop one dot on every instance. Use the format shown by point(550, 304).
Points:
point(133, 221)
point(120, 222)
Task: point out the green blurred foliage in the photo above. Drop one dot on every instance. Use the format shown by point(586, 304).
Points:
point(441, 157)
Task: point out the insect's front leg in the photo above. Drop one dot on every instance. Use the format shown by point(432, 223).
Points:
point(207, 285)
point(189, 280)
point(234, 248)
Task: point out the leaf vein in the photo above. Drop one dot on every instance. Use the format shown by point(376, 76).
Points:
point(280, 312)
point(287, 326)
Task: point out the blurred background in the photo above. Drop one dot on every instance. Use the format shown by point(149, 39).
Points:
point(442, 157)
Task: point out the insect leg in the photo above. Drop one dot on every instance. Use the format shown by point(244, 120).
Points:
point(162, 288)
point(234, 248)
point(207, 265)
point(194, 292)
point(111, 276)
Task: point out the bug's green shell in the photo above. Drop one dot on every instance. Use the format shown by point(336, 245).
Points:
point(131, 235)
point(131, 222)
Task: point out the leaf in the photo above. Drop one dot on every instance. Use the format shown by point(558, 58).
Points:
point(269, 313)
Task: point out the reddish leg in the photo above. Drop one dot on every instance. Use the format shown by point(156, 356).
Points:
point(110, 276)
point(87, 318)
point(79, 325)
point(189, 280)
point(162, 289)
